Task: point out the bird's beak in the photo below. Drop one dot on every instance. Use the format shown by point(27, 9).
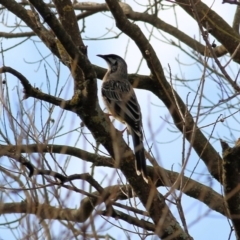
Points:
point(105, 58)
point(101, 56)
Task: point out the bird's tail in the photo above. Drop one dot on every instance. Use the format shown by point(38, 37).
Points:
point(140, 162)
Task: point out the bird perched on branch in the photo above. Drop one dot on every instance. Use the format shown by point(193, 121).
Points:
point(120, 100)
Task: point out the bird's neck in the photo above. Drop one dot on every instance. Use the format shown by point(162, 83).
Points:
point(115, 75)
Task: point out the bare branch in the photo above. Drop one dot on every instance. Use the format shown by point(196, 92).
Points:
point(17, 35)
point(236, 19)
point(30, 91)
point(231, 2)
point(228, 37)
point(231, 176)
point(158, 23)
point(64, 38)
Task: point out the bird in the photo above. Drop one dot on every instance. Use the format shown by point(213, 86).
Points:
point(121, 102)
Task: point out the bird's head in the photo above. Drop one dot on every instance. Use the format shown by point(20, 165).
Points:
point(115, 63)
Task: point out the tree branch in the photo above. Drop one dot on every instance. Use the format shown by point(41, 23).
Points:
point(17, 35)
point(226, 35)
point(231, 2)
point(65, 39)
point(131, 220)
point(144, 83)
point(28, 17)
point(158, 23)
point(236, 20)
point(30, 91)
point(231, 183)
point(163, 90)
point(192, 188)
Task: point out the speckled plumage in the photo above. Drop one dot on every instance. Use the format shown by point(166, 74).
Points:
point(120, 100)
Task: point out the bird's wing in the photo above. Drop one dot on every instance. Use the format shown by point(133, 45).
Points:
point(122, 99)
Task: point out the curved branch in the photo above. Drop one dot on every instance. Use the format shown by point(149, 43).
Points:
point(224, 33)
point(30, 91)
point(45, 211)
point(129, 219)
point(158, 23)
point(61, 149)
